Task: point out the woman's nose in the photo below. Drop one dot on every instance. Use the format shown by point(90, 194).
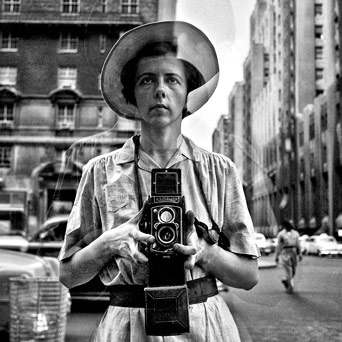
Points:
point(160, 89)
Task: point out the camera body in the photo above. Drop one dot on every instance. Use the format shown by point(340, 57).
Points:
point(164, 217)
point(165, 210)
point(166, 297)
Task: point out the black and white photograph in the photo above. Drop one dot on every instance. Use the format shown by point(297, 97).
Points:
point(170, 170)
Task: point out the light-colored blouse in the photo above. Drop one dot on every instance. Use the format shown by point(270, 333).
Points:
point(107, 197)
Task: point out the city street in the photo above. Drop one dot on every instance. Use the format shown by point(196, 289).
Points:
point(312, 314)
point(267, 313)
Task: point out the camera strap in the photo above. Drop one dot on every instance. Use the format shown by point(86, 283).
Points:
point(212, 235)
point(136, 140)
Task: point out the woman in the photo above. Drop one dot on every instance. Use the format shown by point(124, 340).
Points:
point(287, 252)
point(159, 73)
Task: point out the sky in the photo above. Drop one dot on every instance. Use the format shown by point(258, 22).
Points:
point(226, 23)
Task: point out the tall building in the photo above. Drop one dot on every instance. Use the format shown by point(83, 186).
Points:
point(292, 102)
point(236, 139)
point(318, 115)
point(52, 116)
point(220, 136)
point(264, 91)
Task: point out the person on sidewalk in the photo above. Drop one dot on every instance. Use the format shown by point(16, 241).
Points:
point(288, 252)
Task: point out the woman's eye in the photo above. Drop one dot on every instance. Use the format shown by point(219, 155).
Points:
point(172, 80)
point(145, 81)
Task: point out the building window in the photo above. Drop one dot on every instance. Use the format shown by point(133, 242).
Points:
point(70, 6)
point(301, 134)
point(9, 42)
point(104, 6)
point(318, 31)
point(319, 52)
point(130, 6)
point(67, 78)
point(319, 92)
point(324, 154)
point(312, 127)
point(12, 6)
point(8, 76)
point(68, 42)
point(102, 43)
point(6, 112)
point(312, 160)
point(324, 117)
point(66, 115)
point(5, 157)
point(318, 9)
point(319, 73)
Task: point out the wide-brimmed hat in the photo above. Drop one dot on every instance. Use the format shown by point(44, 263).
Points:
point(193, 46)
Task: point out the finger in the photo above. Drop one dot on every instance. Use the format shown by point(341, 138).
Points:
point(190, 218)
point(139, 257)
point(142, 237)
point(186, 250)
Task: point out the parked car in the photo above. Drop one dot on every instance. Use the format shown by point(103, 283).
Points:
point(303, 242)
point(323, 245)
point(47, 241)
point(15, 264)
point(272, 243)
point(262, 244)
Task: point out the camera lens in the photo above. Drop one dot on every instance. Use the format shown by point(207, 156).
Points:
point(166, 235)
point(166, 215)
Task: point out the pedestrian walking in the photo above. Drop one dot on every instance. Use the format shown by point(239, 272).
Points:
point(160, 73)
point(288, 253)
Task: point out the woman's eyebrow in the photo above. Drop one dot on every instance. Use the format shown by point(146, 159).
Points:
point(151, 73)
point(138, 76)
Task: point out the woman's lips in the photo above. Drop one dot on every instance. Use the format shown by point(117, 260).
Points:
point(159, 106)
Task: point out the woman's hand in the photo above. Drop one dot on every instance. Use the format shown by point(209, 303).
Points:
point(232, 269)
point(194, 245)
point(90, 260)
point(125, 239)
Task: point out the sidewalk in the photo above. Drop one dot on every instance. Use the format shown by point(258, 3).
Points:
point(267, 261)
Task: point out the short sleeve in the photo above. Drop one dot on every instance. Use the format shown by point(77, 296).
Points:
point(238, 226)
point(84, 223)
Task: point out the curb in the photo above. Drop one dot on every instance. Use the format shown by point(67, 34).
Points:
point(265, 264)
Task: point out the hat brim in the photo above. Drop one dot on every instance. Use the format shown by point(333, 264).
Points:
point(193, 47)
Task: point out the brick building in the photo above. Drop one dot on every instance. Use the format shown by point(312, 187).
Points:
point(52, 116)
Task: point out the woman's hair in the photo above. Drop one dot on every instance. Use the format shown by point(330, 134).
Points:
point(194, 78)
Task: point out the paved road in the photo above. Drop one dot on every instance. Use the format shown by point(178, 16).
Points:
point(266, 313)
point(312, 314)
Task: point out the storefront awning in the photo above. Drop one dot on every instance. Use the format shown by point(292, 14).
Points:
point(302, 223)
point(325, 220)
point(284, 201)
point(338, 221)
point(313, 223)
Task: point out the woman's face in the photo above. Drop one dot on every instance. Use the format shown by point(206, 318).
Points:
point(160, 90)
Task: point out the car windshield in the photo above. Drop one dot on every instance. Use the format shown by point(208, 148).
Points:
point(12, 223)
point(53, 232)
point(8, 230)
point(327, 239)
